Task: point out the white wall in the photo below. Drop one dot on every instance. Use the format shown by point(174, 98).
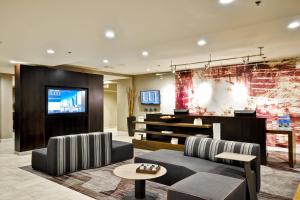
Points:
point(6, 68)
point(122, 106)
point(6, 106)
point(166, 85)
point(110, 108)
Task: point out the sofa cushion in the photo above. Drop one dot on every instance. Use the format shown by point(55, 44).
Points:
point(204, 185)
point(100, 148)
point(121, 151)
point(172, 161)
point(74, 152)
point(192, 163)
point(208, 148)
point(179, 166)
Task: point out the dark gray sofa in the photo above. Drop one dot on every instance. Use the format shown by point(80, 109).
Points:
point(65, 154)
point(192, 177)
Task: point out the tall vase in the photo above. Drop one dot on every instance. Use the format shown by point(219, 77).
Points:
point(131, 125)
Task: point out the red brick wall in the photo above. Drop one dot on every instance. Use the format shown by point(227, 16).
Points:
point(271, 88)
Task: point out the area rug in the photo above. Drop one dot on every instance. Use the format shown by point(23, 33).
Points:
point(101, 183)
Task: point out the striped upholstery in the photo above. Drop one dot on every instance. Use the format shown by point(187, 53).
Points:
point(84, 151)
point(74, 152)
point(101, 147)
point(208, 148)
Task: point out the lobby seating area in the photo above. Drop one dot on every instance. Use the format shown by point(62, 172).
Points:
point(150, 100)
point(67, 154)
point(198, 164)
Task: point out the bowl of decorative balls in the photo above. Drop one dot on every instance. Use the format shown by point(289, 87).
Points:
point(147, 168)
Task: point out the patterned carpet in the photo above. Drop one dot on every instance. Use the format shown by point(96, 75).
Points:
point(279, 182)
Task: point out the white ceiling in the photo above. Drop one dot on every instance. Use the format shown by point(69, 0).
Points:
point(168, 29)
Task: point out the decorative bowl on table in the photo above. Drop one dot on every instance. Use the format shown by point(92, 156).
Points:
point(147, 168)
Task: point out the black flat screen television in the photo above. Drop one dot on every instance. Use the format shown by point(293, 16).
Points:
point(66, 100)
point(150, 97)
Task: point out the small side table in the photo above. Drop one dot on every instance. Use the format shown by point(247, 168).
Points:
point(129, 172)
point(291, 143)
point(246, 159)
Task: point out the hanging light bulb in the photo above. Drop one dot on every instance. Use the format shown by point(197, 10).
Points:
point(173, 69)
point(255, 67)
point(207, 66)
point(246, 60)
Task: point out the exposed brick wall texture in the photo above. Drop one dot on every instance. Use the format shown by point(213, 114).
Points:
point(272, 89)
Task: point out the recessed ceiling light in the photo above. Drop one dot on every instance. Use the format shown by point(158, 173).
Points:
point(50, 51)
point(110, 34)
point(293, 25)
point(148, 69)
point(107, 82)
point(225, 1)
point(201, 42)
point(145, 53)
point(106, 86)
point(108, 67)
point(16, 62)
point(105, 61)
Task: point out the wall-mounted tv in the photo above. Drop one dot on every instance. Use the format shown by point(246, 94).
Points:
point(66, 100)
point(150, 97)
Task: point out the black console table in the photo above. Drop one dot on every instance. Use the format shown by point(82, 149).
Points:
point(155, 139)
point(242, 129)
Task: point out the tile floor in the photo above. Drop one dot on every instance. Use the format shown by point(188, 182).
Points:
point(17, 184)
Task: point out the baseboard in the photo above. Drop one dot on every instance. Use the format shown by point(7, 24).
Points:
point(6, 140)
point(23, 153)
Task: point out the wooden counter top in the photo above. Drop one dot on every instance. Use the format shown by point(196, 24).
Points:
point(189, 125)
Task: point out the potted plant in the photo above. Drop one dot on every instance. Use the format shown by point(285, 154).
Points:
point(131, 96)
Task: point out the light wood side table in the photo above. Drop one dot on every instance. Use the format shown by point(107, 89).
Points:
point(246, 159)
point(129, 172)
point(291, 143)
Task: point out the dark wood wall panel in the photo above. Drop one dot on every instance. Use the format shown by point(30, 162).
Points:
point(95, 111)
point(64, 125)
point(33, 127)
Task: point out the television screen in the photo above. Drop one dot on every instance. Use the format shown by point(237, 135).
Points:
point(64, 101)
point(150, 97)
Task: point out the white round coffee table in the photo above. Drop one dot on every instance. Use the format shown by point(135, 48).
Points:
point(129, 172)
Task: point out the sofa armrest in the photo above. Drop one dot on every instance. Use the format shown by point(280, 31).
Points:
point(39, 159)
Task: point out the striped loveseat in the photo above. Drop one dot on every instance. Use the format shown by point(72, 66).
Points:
point(196, 174)
point(70, 153)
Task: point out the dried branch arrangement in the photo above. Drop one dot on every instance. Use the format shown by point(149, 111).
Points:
point(131, 96)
